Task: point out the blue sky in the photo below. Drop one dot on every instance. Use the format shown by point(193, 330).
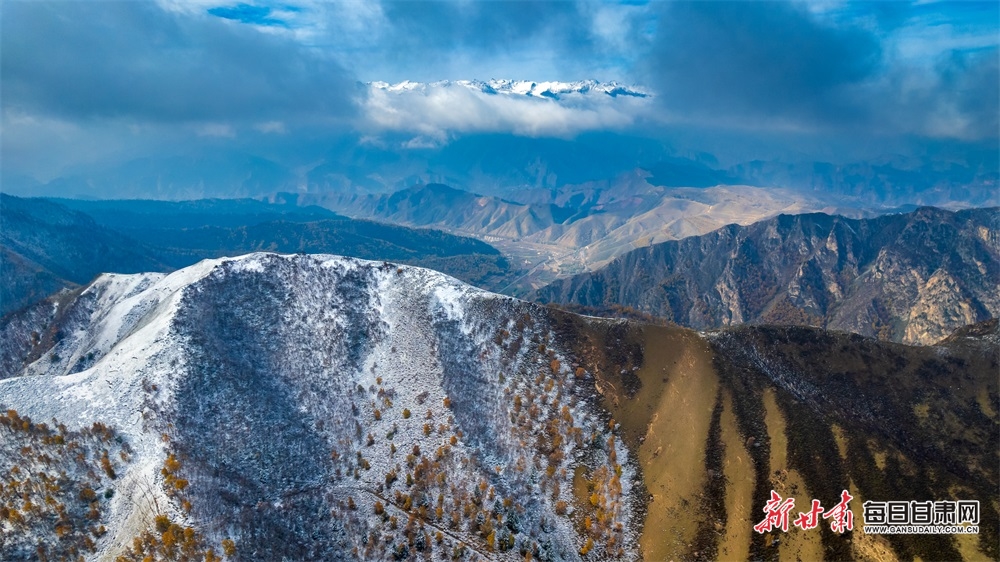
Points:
point(94, 81)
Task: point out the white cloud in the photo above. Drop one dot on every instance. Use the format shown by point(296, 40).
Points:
point(433, 111)
point(421, 142)
point(216, 130)
point(188, 7)
point(276, 127)
point(618, 27)
point(924, 44)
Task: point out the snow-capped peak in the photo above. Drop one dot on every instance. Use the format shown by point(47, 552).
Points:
point(548, 89)
point(285, 384)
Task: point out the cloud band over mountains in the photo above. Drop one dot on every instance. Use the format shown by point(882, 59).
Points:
point(127, 73)
point(750, 64)
point(438, 109)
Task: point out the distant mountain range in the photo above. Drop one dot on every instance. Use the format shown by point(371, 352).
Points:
point(913, 277)
point(45, 246)
point(48, 245)
point(895, 180)
point(315, 407)
point(507, 166)
point(556, 233)
point(553, 90)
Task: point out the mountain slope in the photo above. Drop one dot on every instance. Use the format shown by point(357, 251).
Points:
point(184, 232)
point(446, 207)
point(318, 407)
point(394, 354)
point(45, 247)
point(556, 233)
point(912, 277)
point(136, 216)
point(52, 244)
point(872, 418)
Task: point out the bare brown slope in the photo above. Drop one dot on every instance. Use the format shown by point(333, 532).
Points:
point(719, 423)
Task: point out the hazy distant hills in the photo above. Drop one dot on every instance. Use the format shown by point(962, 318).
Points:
point(319, 407)
point(502, 165)
point(139, 215)
point(45, 246)
point(893, 181)
point(52, 244)
point(204, 174)
point(911, 277)
point(556, 233)
point(557, 207)
point(448, 207)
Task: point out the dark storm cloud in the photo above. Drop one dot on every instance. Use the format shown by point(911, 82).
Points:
point(88, 81)
point(758, 59)
point(83, 60)
point(429, 34)
point(970, 83)
point(777, 65)
point(476, 24)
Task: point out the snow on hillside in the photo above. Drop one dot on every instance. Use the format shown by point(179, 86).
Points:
point(326, 407)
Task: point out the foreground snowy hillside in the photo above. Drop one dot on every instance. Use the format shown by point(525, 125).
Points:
point(313, 407)
point(319, 407)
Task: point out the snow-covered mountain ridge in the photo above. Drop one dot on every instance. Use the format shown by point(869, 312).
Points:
point(271, 375)
point(549, 89)
point(315, 407)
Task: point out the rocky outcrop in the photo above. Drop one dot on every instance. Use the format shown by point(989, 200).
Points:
point(912, 278)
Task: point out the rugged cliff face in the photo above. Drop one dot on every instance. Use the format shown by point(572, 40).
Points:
point(911, 278)
point(318, 407)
